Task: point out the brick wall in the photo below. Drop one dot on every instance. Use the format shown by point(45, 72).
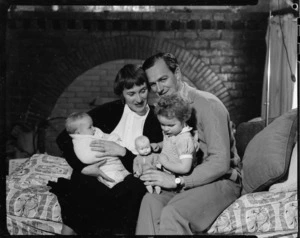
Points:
point(219, 51)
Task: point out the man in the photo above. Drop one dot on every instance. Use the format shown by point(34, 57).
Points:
point(190, 204)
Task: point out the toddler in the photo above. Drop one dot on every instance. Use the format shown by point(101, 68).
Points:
point(145, 160)
point(178, 146)
point(80, 127)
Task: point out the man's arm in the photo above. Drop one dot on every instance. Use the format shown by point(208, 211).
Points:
point(213, 130)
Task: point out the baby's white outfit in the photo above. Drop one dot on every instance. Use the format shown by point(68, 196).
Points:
point(113, 167)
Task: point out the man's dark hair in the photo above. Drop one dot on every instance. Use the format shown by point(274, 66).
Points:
point(169, 59)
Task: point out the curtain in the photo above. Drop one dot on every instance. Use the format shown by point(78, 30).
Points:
point(282, 61)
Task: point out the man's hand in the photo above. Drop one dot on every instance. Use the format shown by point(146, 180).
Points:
point(159, 178)
point(95, 171)
point(107, 148)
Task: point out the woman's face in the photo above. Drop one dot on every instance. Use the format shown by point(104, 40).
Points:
point(137, 98)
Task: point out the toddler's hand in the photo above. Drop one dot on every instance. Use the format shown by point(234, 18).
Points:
point(155, 147)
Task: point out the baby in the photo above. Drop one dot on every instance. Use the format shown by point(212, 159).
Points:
point(145, 160)
point(79, 125)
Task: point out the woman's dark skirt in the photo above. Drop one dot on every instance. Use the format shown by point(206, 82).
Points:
point(91, 208)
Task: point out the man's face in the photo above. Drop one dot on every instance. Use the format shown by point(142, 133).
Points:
point(162, 80)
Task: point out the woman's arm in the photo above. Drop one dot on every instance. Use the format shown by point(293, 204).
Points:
point(109, 148)
point(65, 144)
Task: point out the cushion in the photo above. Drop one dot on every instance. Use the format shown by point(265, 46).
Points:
point(267, 156)
point(291, 183)
point(245, 133)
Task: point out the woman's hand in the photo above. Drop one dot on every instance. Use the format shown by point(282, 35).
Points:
point(95, 171)
point(107, 148)
point(159, 178)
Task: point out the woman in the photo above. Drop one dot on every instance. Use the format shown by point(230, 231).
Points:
point(88, 206)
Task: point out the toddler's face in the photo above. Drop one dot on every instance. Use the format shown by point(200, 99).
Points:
point(85, 126)
point(144, 149)
point(170, 127)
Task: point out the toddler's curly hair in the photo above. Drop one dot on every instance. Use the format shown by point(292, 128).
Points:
point(173, 106)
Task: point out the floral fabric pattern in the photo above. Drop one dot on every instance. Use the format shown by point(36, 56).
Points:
point(260, 214)
point(31, 208)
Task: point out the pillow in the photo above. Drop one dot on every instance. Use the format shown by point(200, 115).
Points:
point(291, 183)
point(267, 156)
point(245, 133)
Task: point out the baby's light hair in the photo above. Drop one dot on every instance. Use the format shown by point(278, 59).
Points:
point(141, 140)
point(173, 106)
point(70, 128)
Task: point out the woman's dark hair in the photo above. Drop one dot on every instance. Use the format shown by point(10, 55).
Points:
point(128, 76)
point(169, 59)
point(173, 106)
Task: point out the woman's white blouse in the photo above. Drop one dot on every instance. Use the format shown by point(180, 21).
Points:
point(130, 127)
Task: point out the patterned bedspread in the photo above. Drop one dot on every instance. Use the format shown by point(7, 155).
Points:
point(263, 214)
point(33, 210)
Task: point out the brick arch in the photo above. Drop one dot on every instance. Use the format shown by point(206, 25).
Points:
point(107, 49)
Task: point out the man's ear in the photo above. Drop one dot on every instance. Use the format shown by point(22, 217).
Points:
point(177, 74)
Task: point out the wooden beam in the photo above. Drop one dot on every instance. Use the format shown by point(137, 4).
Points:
point(137, 2)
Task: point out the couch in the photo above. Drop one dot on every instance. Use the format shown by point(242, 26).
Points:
point(266, 154)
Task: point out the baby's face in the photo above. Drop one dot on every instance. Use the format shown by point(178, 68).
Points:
point(144, 149)
point(85, 126)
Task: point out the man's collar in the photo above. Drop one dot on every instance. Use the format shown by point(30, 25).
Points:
point(184, 92)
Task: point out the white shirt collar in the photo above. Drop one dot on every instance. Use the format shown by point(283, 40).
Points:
point(128, 111)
